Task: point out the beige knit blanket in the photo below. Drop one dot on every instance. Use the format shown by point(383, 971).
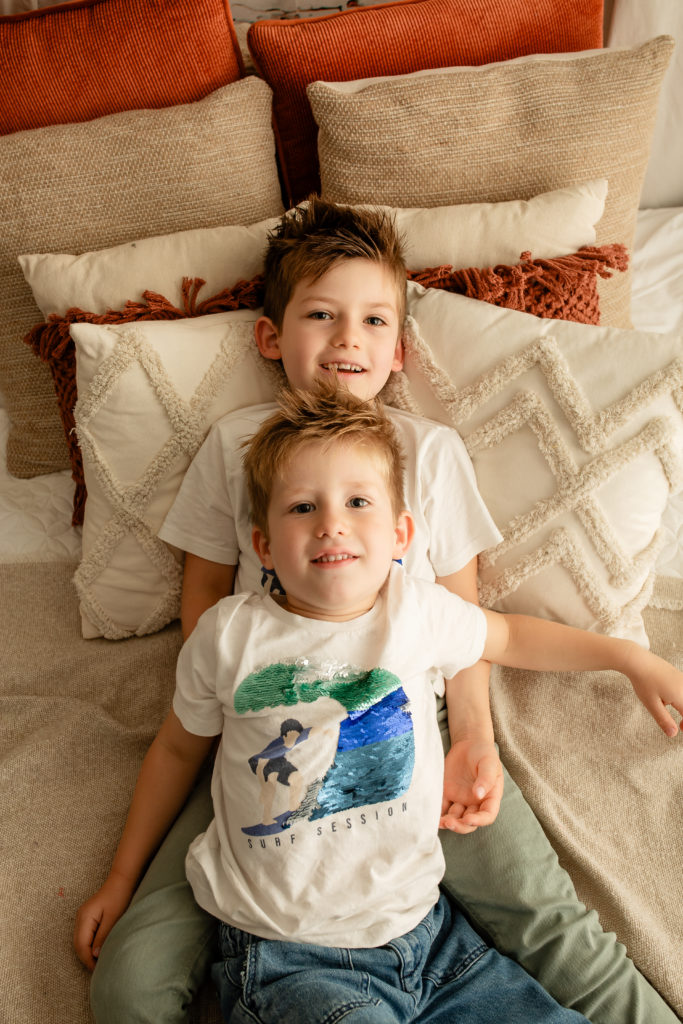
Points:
point(76, 717)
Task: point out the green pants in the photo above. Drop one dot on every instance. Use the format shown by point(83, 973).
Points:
point(505, 877)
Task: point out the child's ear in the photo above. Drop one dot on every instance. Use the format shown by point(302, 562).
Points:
point(404, 530)
point(267, 338)
point(399, 355)
point(261, 546)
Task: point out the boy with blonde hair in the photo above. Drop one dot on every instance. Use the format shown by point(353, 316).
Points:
point(329, 904)
point(334, 307)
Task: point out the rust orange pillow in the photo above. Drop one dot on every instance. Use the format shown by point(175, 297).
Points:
point(564, 288)
point(396, 39)
point(81, 60)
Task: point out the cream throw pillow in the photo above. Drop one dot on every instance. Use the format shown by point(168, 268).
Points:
point(471, 235)
point(148, 394)
point(77, 187)
point(497, 132)
point(576, 435)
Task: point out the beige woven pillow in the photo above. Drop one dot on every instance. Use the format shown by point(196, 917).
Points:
point(576, 436)
point(76, 187)
point(497, 132)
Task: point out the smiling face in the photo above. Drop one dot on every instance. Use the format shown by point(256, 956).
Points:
point(332, 530)
point(344, 322)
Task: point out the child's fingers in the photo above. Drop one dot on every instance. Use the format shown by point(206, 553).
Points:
point(663, 717)
point(86, 936)
point(455, 823)
point(485, 814)
point(452, 810)
point(464, 820)
point(488, 776)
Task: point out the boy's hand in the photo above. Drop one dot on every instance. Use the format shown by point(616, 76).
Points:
point(97, 916)
point(473, 786)
point(657, 683)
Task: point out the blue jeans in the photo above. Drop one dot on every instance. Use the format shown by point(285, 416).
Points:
point(506, 876)
point(441, 972)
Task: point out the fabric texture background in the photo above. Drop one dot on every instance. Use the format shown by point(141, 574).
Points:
point(84, 186)
point(132, 54)
point(334, 48)
point(522, 127)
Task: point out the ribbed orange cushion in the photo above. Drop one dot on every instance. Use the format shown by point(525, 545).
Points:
point(80, 60)
point(395, 39)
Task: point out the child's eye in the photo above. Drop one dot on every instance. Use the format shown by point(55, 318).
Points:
point(319, 314)
point(358, 502)
point(302, 508)
point(375, 321)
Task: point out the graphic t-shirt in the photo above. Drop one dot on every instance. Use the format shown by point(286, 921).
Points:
point(328, 780)
point(210, 516)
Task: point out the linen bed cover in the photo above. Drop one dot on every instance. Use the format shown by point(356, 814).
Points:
point(76, 723)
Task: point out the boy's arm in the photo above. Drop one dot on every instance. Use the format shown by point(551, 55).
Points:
point(204, 583)
point(473, 774)
point(522, 641)
point(165, 780)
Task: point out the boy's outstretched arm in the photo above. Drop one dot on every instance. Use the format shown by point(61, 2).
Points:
point(522, 641)
point(168, 771)
point(473, 774)
point(204, 583)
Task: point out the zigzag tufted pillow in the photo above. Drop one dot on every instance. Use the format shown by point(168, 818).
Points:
point(576, 435)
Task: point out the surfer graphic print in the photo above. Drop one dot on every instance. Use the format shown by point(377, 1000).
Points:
point(356, 749)
point(328, 779)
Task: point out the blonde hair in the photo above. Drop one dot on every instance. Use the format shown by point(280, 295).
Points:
point(311, 238)
point(326, 413)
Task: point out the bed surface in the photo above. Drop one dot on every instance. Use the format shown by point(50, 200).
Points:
point(75, 721)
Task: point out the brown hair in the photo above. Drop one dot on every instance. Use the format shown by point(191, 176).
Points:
point(326, 413)
point(311, 238)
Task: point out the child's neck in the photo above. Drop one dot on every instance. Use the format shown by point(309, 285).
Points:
point(307, 612)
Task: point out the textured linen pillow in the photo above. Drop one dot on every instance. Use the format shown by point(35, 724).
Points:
point(335, 47)
point(472, 234)
point(576, 435)
point(498, 132)
point(73, 188)
point(148, 394)
point(97, 57)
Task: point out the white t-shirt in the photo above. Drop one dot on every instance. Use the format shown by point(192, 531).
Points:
point(328, 781)
point(210, 516)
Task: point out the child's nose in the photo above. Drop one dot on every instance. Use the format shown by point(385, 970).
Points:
point(346, 335)
point(331, 523)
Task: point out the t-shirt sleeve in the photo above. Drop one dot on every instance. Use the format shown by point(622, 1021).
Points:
point(460, 525)
point(458, 630)
point(201, 518)
point(195, 701)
